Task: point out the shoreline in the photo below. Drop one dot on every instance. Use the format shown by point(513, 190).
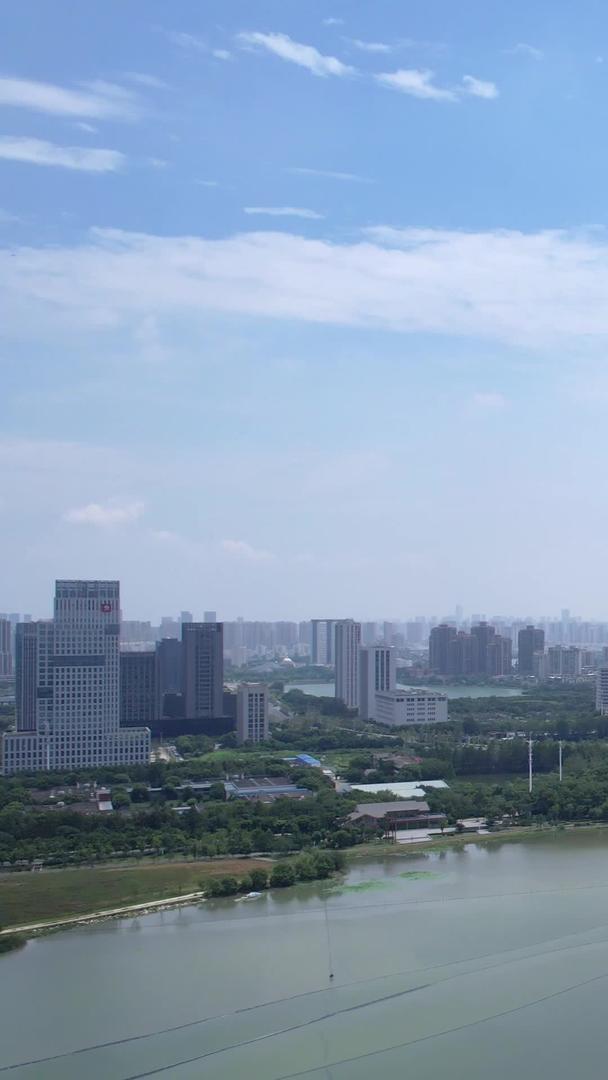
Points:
point(367, 851)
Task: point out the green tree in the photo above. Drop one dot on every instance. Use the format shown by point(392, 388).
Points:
point(282, 875)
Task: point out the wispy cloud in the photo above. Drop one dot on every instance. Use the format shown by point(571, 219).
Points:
point(83, 126)
point(329, 174)
point(207, 183)
point(488, 401)
point(240, 549)
point(293, 51)
point(479, 87)
point(98, 100)
point(417, 83)
point(187, 41)
point(523, 49)
point(141, 78)
point(420, 83)
point(531, 289)
point(371, 46)
point(221, 54)
point(8, 219)
point(105, 515)
point(39, 152)
point(284, 211)
point(332, 21)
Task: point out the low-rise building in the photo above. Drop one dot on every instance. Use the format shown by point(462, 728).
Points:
point(411, 706)
point(406, 814)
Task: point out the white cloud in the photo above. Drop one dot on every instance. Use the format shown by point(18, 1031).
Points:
point(304, 55)
point(104, 515)
point(240, 549)
point(83, 126)
point(99, 100)
point(222, 54)
point(187, 41)
point(371, 46)
point(39, 152)
point(479, 88)
point(331, 21)
point(207, 183)
point(523, 49)
point(418, 83)
point(141, 78)
point(488, 401)
point(284, 211)
point(329, 174)
point(8, 219)
point(532, 289)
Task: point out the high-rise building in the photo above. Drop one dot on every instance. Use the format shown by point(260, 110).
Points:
point(439, 645)
point(169, 673)
point(483, 634)
point(73, 663)
point(347, 642)
point(137, 688)
point(564, 660)
point(377, 674)
point(203, 670)
point(186, 616)
point(462, 654)
point(322, 642)
point(388, 633)
point(499, 658)
point(209, 616)
point(169, 627)
point(6, 648)
point(529, 641)
point(252, 712)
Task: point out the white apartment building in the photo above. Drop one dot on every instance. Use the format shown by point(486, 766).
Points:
point(347, 642)
point(601, 691)
point(377, 674)
point(411, 706)
point(67, 687)
point(252, 712)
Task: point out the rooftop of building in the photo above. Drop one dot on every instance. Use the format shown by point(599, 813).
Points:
point(410, 789)
point(380, 810)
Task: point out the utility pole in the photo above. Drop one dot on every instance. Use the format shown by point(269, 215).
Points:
point(530, 766)
point(561, 770)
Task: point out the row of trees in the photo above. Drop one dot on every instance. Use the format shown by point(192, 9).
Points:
point(312, 865)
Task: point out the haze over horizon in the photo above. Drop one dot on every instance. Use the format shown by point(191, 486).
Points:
point(304, 306)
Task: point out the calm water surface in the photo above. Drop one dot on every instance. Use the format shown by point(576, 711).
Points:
point(327, 689)
point(485, 962)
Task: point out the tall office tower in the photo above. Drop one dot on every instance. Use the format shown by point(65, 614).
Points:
point(169, 672)
point(6, 648)
point(458, 613)
point(377, 675)
point(137, 688)
point(499, 657)
point(169, 627)
point(439, 645)
point(186, 616)
point(529, 641)
point(369, 632)
point(388, 633)
point(483, 633)
point(601, 691)
point(322, 642)
point(413, 633)
point(347, 642)
point(74, 663)
point(209, 616)
point(462, 654)
point(203, 670)
point(26, 671)
point(251, 712)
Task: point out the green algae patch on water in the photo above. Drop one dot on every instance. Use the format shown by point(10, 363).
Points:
point(419, 875)
point(362, 886)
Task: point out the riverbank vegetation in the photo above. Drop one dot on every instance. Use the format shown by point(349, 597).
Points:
point(311, 865)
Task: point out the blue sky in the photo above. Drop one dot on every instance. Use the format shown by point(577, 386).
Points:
point(303, 306)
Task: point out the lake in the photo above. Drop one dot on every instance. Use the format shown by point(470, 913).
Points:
point(489, 961)
point(327, 689)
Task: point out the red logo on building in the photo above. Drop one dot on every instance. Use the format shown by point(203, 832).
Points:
point(106, 606)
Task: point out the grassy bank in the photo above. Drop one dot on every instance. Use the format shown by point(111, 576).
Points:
point(55, 894)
